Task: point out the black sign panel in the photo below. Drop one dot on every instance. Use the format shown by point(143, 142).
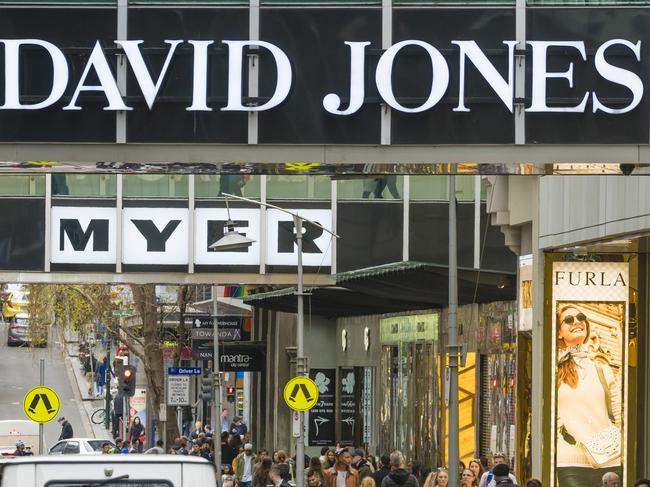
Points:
point(75, 32)
point(322, 431)
point(22, 246)
point(594, 27)
point(488, 121)
point(231, 329)
point(239, 357)
point(348, 406)
point(169, 120)
point(314, 40)
point(76, 53)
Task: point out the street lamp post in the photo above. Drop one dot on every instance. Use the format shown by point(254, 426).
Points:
point(301, 366)
point(233, 240)
point(216, 386)
point(452, 341)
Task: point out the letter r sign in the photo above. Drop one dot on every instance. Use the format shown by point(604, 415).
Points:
point(316, 245)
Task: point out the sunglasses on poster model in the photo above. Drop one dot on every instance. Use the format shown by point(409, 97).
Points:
point(568, 320)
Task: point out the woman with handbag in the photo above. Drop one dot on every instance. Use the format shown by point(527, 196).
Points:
point(588, 438)
point(136, 432)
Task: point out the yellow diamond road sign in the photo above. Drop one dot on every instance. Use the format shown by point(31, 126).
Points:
point(301, 393)
point(41, 404)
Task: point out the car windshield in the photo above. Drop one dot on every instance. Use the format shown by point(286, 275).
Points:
point(21, 320)
point(96, 445)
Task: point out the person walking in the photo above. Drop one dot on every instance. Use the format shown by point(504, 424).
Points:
point(398, 476)
point(276, 478)
point(244, 465)
point(360, 463)
point(384, 470)
point(136, 432)
point(66, 429)
point(342, 474)
point(261, 476)
point(487, 480)
point(100, 377)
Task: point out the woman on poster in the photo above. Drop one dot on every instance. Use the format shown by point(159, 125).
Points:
point(588, 438)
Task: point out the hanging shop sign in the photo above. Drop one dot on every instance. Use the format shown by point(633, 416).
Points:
point(158, 236)
point(590, 340)
point(231, 328)
point(322, 426)
point(348, 404)
point(236, 357)
point(409, 328)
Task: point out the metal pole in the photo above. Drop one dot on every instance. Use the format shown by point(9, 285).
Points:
point(216, 387)
point(107, 416)
point(452, 341)
point(92, 364)
point(41, 439)
point(125, 416)
point(179, 419)
point(300, 356)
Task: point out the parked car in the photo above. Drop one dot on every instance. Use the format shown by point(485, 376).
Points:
point(74, 446)
point(18, 332)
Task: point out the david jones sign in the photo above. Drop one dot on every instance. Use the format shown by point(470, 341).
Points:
point(98, 70)
point(160, 236)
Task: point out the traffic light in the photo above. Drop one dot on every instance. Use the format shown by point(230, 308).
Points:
point(230, 394)
point(127, 381)
point(206, 388)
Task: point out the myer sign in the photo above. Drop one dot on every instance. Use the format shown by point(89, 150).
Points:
point(160, 236)
point(98, 70)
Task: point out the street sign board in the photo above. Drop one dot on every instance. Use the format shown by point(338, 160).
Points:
point(41, 404)
point(178, 390)
point(231, 328)
point(121, 313)
point(184, 371)
point(235, 357)
point(301, 393)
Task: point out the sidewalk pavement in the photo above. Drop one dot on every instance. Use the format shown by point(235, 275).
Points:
point(90, 404)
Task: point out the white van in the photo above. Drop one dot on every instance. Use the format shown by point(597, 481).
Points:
point(113, 470)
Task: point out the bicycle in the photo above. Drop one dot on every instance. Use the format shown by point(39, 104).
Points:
point(98, 416)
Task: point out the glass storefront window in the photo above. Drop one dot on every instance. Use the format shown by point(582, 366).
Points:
point(373, 188)
point(453, 2)
point(211, 186)
point(155, 186)
point(22, 185)
point(298, 187)
point(86, 185)
point(586, 3)
point(436, 188)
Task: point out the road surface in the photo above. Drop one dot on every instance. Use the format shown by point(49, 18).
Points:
point(20, 368)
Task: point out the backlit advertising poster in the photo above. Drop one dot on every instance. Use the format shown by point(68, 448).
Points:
point(590, 323)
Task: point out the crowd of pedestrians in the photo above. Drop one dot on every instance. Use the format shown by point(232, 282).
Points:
point(242, 466)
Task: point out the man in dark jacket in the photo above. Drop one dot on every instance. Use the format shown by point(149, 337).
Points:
point(379, 475)
point(361, 464)
point(398, 477)
point(66, 429)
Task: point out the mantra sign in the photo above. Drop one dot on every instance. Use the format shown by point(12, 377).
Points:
point(97, 69)
point(159, 236)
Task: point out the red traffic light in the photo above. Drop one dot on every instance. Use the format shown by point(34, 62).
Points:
point(127, 374)
point(230, 391)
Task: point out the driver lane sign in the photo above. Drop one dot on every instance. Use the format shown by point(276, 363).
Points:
point(301, 393)
point(41, 404)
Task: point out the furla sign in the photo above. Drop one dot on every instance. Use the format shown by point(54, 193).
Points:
point(160, 236)
point(98, 78)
